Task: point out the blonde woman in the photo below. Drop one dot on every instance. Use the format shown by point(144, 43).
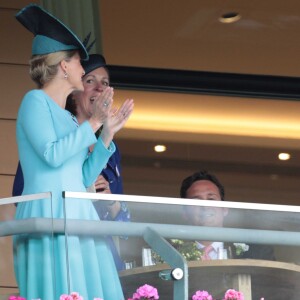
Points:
point(53, 151)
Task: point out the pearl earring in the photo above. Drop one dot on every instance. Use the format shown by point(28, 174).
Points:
point(66, 75)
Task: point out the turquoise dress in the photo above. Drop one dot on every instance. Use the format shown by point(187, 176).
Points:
point(53, 153)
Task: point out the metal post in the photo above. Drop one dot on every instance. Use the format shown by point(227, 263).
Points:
point(171, 256)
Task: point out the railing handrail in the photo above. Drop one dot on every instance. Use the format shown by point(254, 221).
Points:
point(155, 200)
point(180, 201)
point(170, 231)
point(24, 198)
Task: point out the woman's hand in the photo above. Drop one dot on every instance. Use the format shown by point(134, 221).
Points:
point(102, 108)
point(116, 119)
point(102, 185)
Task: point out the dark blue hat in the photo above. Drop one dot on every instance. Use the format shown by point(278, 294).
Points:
point(95, 61)
point(51, 35)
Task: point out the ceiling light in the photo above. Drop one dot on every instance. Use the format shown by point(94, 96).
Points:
point(284, 156)
point(230, 17)
point(160, 148)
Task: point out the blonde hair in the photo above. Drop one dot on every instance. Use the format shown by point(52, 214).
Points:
point(43, 68)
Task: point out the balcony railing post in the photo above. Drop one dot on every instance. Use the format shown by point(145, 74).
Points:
point(171, 256)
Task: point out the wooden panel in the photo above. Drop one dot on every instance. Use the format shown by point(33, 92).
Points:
point(8, 151)
point(16, 40)
point(13, 86)
point(6, 183)
point(17, 4)
point(273, 280)
point(6, 250)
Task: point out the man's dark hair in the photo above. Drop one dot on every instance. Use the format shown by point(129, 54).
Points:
point(201, 175)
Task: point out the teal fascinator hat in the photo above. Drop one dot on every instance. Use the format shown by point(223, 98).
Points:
point(50, 34)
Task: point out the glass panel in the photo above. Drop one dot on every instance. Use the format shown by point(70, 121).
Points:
point(90, 266)
point(254, 246)
point(26, 247)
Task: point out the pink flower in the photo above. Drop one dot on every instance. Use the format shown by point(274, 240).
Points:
point(233, 295)
point(76, 296)
point(72, 296)
point(145, 292)
point(202, 295)
point(12, 297)
point(136, 296)
point(65, 297)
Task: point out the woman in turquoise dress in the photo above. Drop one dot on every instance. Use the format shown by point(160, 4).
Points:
point(53, 152)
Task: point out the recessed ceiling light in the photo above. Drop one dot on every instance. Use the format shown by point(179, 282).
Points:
point(230, 17)
point(284, 156)
point(160, 148)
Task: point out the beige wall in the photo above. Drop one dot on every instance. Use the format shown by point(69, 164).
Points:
point(14, 82)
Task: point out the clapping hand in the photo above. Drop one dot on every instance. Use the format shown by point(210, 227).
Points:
point(116, 119)
point(102, 108)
